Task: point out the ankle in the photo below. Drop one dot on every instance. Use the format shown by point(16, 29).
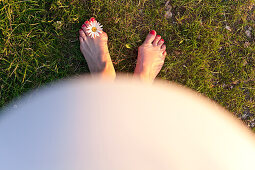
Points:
point(144, 76)
point(106, 71)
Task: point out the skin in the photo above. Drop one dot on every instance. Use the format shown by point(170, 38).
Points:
point(151, 55)
point(96, 53)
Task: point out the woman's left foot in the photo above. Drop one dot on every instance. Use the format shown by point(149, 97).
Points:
point(95, 51)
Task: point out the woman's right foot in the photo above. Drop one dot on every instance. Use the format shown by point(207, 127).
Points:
point(151, 56)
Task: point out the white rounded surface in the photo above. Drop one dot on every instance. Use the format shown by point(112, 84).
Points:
point(90, 124)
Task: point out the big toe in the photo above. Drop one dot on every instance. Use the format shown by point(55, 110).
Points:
point(150, 37)
point(92, 19)
point(104, 36)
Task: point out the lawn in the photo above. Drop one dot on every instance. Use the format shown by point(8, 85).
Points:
point(210, 44)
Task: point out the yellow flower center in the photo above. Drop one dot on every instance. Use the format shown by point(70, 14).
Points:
point(94, 29)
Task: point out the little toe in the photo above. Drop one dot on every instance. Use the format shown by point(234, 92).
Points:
point(82, 33)
point(161, 42)
point(163, 47)
point(164, 53)
point(81, 39)
point(156, 40)
point(150, 37)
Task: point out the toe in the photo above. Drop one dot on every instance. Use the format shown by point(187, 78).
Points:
point(86, 23)
point(81, 39)
point(156, 40)
point(104, 36)
point(92, 19)
point(164, 53)
point(82, 33)
point(163, 47)
point(161, 42)
point(150, 37)
point(84, 27)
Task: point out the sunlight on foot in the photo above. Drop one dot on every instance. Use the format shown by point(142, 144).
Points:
point(95, 51)
point(151, 56)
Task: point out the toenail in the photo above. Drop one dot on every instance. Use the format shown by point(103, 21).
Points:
point(153, 32)
point(86, 22)
point(83, 25)
point(158, 36)
point(162, 40)
point(92, 19)
point(81, 30)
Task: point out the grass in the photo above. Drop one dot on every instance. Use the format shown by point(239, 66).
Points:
point(39, 44)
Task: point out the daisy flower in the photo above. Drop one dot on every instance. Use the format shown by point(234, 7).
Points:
point(94, 29)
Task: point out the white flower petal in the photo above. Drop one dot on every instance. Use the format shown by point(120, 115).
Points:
point(99, 29)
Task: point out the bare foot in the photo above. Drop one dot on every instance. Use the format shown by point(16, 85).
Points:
point(95, 51)
point(151, 56)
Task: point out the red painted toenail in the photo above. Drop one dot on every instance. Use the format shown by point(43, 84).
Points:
point(81, 30)
point(92, 19)
point(153, 32)
point(83, 25)
point(158, 36)
point(162, 40)
point(86, 22)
